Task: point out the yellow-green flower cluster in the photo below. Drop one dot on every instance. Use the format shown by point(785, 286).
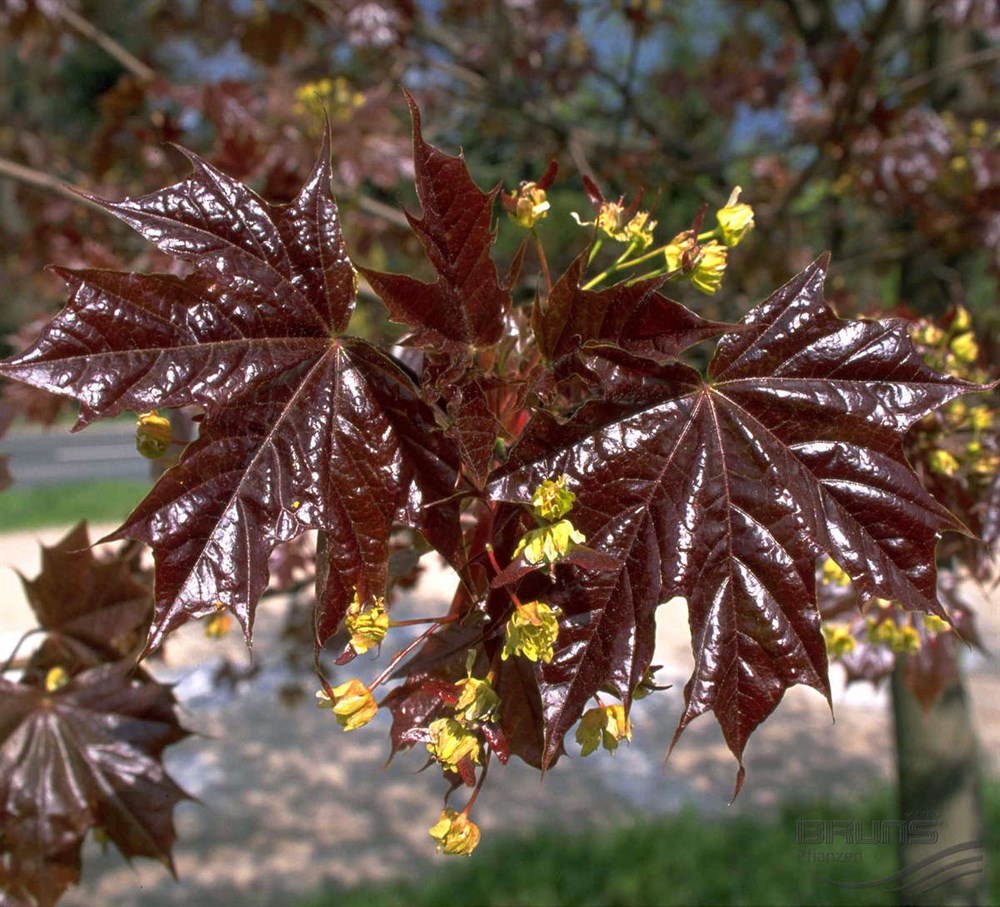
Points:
point(367, 625)
point(839, 640)
point(708, 273)
point(549, 544)
point(532, 631)
point(352, 703)
point(552, 500)
point(955, 440)
point(898, 637)
point(704, 265)
point(335, 96)
point(455, 833)
point(935, 625)
point(635, 230)
point(834, 574)
point(603, 726)
point(451, 742)
point(477, 700)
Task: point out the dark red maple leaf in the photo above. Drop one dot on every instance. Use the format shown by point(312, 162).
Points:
point(304, 428)
point(465, 306)
point(724, 491)
point(86, 755)
point(93, 609)
point(633, 316)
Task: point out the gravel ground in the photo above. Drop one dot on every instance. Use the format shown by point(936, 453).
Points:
point(287, 802)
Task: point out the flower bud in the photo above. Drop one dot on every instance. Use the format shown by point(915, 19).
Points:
point(153, 435)
point(735, 219)
point(527, 205)
point(56, 679)
point(218, 625)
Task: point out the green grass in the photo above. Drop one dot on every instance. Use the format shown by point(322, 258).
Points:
point(65, 505)
point(681, 859)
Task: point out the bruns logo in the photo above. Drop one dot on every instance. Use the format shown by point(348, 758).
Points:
point(872, 831)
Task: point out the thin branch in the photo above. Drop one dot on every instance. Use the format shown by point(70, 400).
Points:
point(41, 180)
point(955, 65)
point(108, 44)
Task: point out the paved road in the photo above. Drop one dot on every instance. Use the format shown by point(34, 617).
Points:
point(58, 455)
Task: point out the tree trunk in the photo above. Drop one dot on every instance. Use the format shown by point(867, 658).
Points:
point(937, 765)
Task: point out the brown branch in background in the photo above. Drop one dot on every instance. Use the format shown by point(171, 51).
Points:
point(41, 180)
point(108, 44)
point(951, 67)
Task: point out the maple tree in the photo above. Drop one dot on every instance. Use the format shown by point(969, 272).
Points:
point(560, 455)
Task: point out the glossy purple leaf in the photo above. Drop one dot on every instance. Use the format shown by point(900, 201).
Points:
point(303, 429)
point(725, 491)
point(465, 306)
point(88, 755)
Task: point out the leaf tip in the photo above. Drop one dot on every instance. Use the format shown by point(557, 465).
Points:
point(741, 775)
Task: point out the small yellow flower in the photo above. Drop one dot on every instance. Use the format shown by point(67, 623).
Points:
point(527, 205)
point(153, 435)
point(907, 640)
point(961, 320)
point(942, 462)
point(352, 703)
point(638, 232)
point(549, 544)
point(615, 222)
point(980, 418)
point(965, 348)
point(367, 625)
point(839, 640)
point(934, 624)
point(605, 725)
point(927, 334)
point(532, 631)
point(682, 253)
point(455, 833)
point(834, 574)
point(881, 631)
point(551, 500)
point(218, 625)
point(707, 275)
point(56, 679)
point(451, 742)
point(735, 219)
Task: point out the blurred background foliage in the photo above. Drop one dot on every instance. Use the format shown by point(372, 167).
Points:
point(866, 127)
